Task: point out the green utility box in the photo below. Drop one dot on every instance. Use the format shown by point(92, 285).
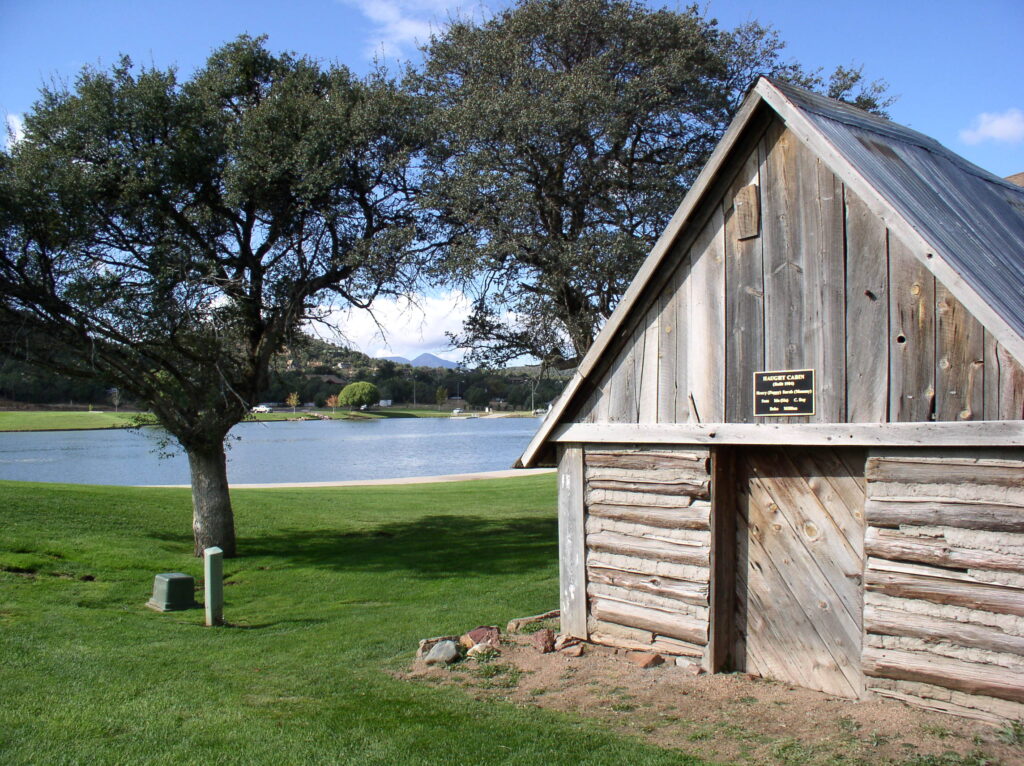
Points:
point(173, 591)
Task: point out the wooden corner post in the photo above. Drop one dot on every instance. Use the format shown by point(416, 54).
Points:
point(723, 559)
point(571, 542)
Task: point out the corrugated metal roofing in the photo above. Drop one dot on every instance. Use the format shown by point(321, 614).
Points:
point(973, 219)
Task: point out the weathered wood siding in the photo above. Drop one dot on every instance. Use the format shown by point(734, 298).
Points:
point(944, 580)
point(648, 548)
point(821, 284)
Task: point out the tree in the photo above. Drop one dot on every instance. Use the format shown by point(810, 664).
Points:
point(292, 400)
point(169, 237)
point(359, 394)
point(114, 395)
point(581, 123)
point(332, 402)
point(478, 396)
point(441, 396)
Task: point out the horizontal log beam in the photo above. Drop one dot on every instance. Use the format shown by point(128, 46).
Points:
point(623, 545)
point(899, 546)
point(970, 677)
point(989, 598)
point(892, 622)
point(699, 490)
point(692, 517)
point(939, 512)
point(647, 460)
point(663, 623)
point(979, 433)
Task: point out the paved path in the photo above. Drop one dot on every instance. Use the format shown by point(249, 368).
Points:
point(511, 473)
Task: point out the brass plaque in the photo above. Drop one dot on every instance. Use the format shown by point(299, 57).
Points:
point(779, 393)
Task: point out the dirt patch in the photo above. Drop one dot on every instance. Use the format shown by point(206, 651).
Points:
point(726, 718)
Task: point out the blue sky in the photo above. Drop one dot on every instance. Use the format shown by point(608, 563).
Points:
point(956, 67)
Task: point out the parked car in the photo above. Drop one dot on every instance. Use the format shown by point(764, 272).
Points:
point(262, 408)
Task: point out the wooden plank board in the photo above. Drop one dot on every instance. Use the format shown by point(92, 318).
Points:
point(723, 546)
point(840, 493)
point(671, 358)
point(647, 459)
point(1011, 385)
point(681, 590)
point(991, 377)
point(901, 545)
point(934, 511)
point(960, 362)
point(867, 314)
point(692, 630)
point(627, 545)
point(744, 308)
point(571, 543)
point(912, 336)
point(803, 605)
point(982, 433)
point(705, 343)
point(692, 517)
point(647, 404)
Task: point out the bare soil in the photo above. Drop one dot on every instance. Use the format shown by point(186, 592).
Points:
point(725, 718)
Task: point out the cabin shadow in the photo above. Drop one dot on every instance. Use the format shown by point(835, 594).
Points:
point(433, 546)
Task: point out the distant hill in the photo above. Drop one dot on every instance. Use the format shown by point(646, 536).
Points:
point(429, 360)
point(423, 360)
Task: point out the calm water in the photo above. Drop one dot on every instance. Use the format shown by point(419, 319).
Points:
point(337, 450)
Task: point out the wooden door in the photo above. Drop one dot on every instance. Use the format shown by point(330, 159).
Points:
point(799, 566)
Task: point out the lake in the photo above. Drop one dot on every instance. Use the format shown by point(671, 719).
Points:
point(335, 450)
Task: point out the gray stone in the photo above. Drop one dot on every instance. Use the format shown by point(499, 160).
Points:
point(485, 648)
point(172, 591)
point(443, 653)
point(426, 644)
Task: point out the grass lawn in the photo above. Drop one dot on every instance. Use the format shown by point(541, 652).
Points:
point(37, 420)
point(332, 591)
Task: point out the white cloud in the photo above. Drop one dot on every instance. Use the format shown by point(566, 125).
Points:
point(400, 26)
point(1007, 127)
point(15, 129)
point(406, 327)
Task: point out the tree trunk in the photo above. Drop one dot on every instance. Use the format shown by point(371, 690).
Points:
point(213, 521)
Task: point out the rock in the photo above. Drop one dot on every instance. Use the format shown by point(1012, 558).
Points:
point(645, 659)
point(514, 626)
point(562, 640)
point(688, 666)
point(543, 641)
point(485, 634)
point(576, 650)
point(477, 649)
point(443, 653)
point(426, 644)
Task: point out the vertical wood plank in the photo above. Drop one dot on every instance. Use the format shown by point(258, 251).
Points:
point(682, 387)
point(960, 360)
point(991, 377)
point(721, 631)
point(668, 355)
point(647, 409)
point(867, 315)
point(622, 382)
point(912, 336)
point(571, 542)
point(1011, 386)
point(804, 278)
point(825, 291)
point(706, 331)
point(744, 307)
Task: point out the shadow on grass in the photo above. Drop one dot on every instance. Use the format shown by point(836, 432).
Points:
point(431, 546)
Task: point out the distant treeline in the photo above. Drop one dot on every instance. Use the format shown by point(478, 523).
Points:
point(315, 369)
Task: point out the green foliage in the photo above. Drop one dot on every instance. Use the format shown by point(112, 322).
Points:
point(359, 394)
point(441, 396)
point(582, 123)
point(169, 237)
point(1012, 733)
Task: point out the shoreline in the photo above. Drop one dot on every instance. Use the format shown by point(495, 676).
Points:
point(508, 473)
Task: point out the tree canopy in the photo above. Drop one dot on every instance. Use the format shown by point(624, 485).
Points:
point(168, 237)
point(359, 394)
point(567, 132)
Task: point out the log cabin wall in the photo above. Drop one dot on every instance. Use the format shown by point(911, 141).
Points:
point(790, 270)
point(944, 581)
point(645, 518)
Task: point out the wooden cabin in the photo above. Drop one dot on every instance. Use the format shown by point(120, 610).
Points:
point(796, 449)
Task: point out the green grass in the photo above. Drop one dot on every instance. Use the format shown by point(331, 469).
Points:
point(31, 420)
point(332, 592)
point(36, 420)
